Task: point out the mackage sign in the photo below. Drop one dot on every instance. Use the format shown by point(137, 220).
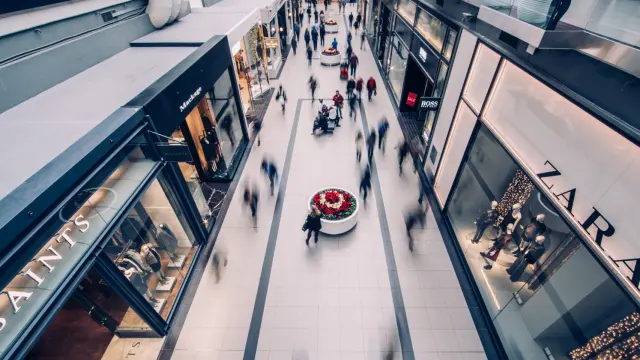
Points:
point(193, 96)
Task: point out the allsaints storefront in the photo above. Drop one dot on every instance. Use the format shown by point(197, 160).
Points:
point(541, 196)
point(104, 252)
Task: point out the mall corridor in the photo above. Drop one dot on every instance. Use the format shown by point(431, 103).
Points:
point(347, 297)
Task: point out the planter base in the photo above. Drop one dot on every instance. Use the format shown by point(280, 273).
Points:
point(331, 29)
point(337, 227)
point(330, 60)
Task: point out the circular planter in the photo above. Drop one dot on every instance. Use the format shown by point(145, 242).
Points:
point(331, 29)
point(337, 227)
point(330, 60)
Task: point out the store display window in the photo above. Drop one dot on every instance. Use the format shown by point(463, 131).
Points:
point(403, 31)
point(397, 66)
point(544, 290)
point(431, 29)
point(407, 9)
point(452, 36)
point(483, 68)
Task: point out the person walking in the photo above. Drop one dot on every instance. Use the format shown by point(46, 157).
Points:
point(250, 199)
point(326, 5)
point(350, 20)
point(383, 129)
point(312, 224)
point(363, 38)
point(351, 86)
point(271, 171)
point(417, 216)
point(309, 54)
point(359, 86)
point(314, 37)
point(301, 16)
point(353, 64)
point(307, 37)
point(403, 151)
point(281, 96)
point(365, 183)
point(371, 143)
point(294, 44)
point(219, 260)
point(334, 44)
point(371, 87)
point(349, 38)
point(309, 13)
point(359, 19)
point(297, 31)
point(353, 104)
point(349, 52)
point(359, 145)
point(323, 32)
point(356, 26)
point(257, 126)
point(313, 85)
point(315, 15)
point(338, 101)
point(321, 17)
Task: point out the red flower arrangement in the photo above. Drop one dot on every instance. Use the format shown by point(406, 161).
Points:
point(330, 22)
point(334, 204)
point(330, 52)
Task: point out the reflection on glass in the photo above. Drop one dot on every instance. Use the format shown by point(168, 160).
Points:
point(442, 77)
point(397, 67)
point(407, 9)
point(541, 286)
point(229, 125)
point(199, 191)
point(448, 46)
point(482, 70)
point(432, 29)
point(153, 248)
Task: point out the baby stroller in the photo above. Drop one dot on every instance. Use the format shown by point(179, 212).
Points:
point(344, 71)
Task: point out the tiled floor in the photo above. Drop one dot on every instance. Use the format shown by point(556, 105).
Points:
point(334, 300)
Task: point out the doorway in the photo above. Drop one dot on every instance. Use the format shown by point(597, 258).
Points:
point(383, 32)
point(415, 82)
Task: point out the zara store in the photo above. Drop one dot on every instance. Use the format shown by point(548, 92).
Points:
point(540, 196)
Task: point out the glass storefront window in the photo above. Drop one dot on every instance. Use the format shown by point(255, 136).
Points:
point(482, 70)
point(544, 290)
point(153, 248)
point(407, 9)
point(397, 66)
point(229, 119)
point(447, 52)
point(432, 29)
point(442, 78)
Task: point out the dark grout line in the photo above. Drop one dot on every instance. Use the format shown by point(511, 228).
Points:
point(406, 345)
point(251, 346)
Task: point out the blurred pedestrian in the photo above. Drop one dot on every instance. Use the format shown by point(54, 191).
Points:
point(353, 64)
point(371, 87)
point(323, 32)
point(416, 216)
point(349, 38)
point(403, 151)
point(250, 199)
point(309, 54)
point(353, 104)
point(350, 20)
point(309, 13)
point(314, 37)
point(363, 38)
point(313, 85)
point(358, 20)
point(365, 183)
point(297, 31)
point(356, 26)
point(307, 37)
point(271, 171)
point(359, 145)
point(315, 14)
point(359, 86)
point(219, 260)
point(257, 126)
point(371, 143)
point(351, 86)
point(281, 96)
point(294, 44)
point(383, 129)
point(312, 224)
point(349, 52)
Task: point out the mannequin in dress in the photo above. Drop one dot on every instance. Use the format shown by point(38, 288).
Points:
point(136, 278)
point(484, 221)
point(531, 255)
point(491, 255)
point(152, 258)
point(535, 227)
point(512, 217)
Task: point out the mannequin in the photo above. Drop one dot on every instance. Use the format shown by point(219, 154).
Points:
point(494, 251)
point(137, 280)
point(167, 240)
point(484, 221)
point(152, 258)
point(531, 255)
point(138, 260)
point(512, 217)
point(535, 227)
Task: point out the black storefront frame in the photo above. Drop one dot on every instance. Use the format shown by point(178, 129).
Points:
point(94, 257)
point(171, 98)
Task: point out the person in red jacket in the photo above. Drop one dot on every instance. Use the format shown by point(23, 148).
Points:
point(338, 101)
point(359, 86)
point(371, 87)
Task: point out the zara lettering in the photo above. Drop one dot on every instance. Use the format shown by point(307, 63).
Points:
point(47, 261)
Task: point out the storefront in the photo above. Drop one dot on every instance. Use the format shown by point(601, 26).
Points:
point(273, 46)
point(540, 195)
point(102, 248)
point(384, 26)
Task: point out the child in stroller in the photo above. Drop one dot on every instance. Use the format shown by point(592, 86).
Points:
point(344, 71)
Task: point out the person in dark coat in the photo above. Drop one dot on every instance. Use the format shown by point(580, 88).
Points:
point(257, 126)
point(403, 151)
point(353, 64)
point(315, 15)
point(349, 52)
point(313, 224)
point(307, 37)
point(313, 85)
point(371, 87)
point(351, 85)
point(383, 129)
point(271, 171)
point(250, 199)
point(417, 216)
point(371, 143)
point(314, 37)
point(356, 26)
point(359, 86)
point(350, 19)
point(353, 105)
point(365, 183)
point(294, 44)
point(309, 54)
point(363, 39)
point(349, 38)
point(323, 32)
point(297, 31)
point(309, 13)
point(358, 19)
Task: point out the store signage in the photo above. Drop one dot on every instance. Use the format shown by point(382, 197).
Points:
point(423, 54)
point(18, 295)
point(193, 96)
point(429, 103)
point(271, 42)
point(411, 99)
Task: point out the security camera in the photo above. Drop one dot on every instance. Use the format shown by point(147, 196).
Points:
point(468, 17)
